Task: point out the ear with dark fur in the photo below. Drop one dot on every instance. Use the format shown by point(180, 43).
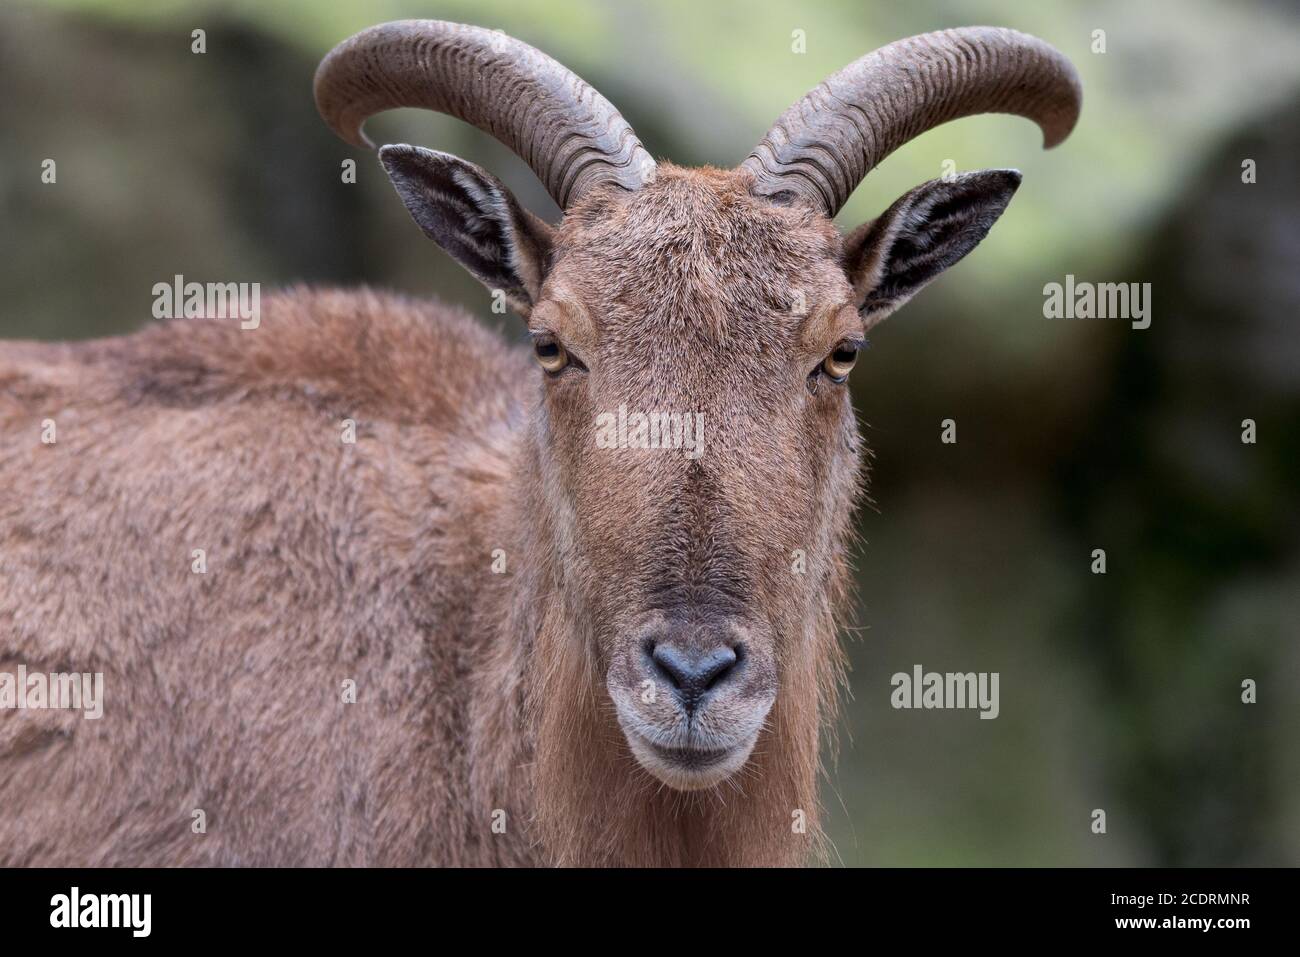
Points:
point(927, 230)
point(474, 218)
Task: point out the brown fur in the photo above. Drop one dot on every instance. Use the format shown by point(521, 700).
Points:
point(329, 561)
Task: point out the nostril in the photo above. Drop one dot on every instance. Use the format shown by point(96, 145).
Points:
point(670, 663)
point(717, 666)
point(692, 674)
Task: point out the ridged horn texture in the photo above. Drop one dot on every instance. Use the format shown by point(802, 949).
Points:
point(822, 147)
point(569, 134)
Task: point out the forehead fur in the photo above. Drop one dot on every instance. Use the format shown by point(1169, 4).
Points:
point(694, 252)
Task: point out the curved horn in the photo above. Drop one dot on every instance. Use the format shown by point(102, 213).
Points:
point(569, 134)
point(823, 146)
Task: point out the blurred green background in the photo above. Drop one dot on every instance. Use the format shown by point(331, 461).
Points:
point(1118, 691)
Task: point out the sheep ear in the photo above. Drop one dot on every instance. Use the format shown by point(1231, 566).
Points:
point(474, 218)
point(928, 229)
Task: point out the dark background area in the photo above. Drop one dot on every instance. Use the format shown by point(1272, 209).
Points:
point(1119, 691)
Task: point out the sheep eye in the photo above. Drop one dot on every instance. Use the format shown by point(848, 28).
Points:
point(840, 363)
point(550, 354)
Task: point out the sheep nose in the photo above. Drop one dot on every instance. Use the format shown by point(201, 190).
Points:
point(692, 673)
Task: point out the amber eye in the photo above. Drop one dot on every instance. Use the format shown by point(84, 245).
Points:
point(550, 354)
point(839, 363)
